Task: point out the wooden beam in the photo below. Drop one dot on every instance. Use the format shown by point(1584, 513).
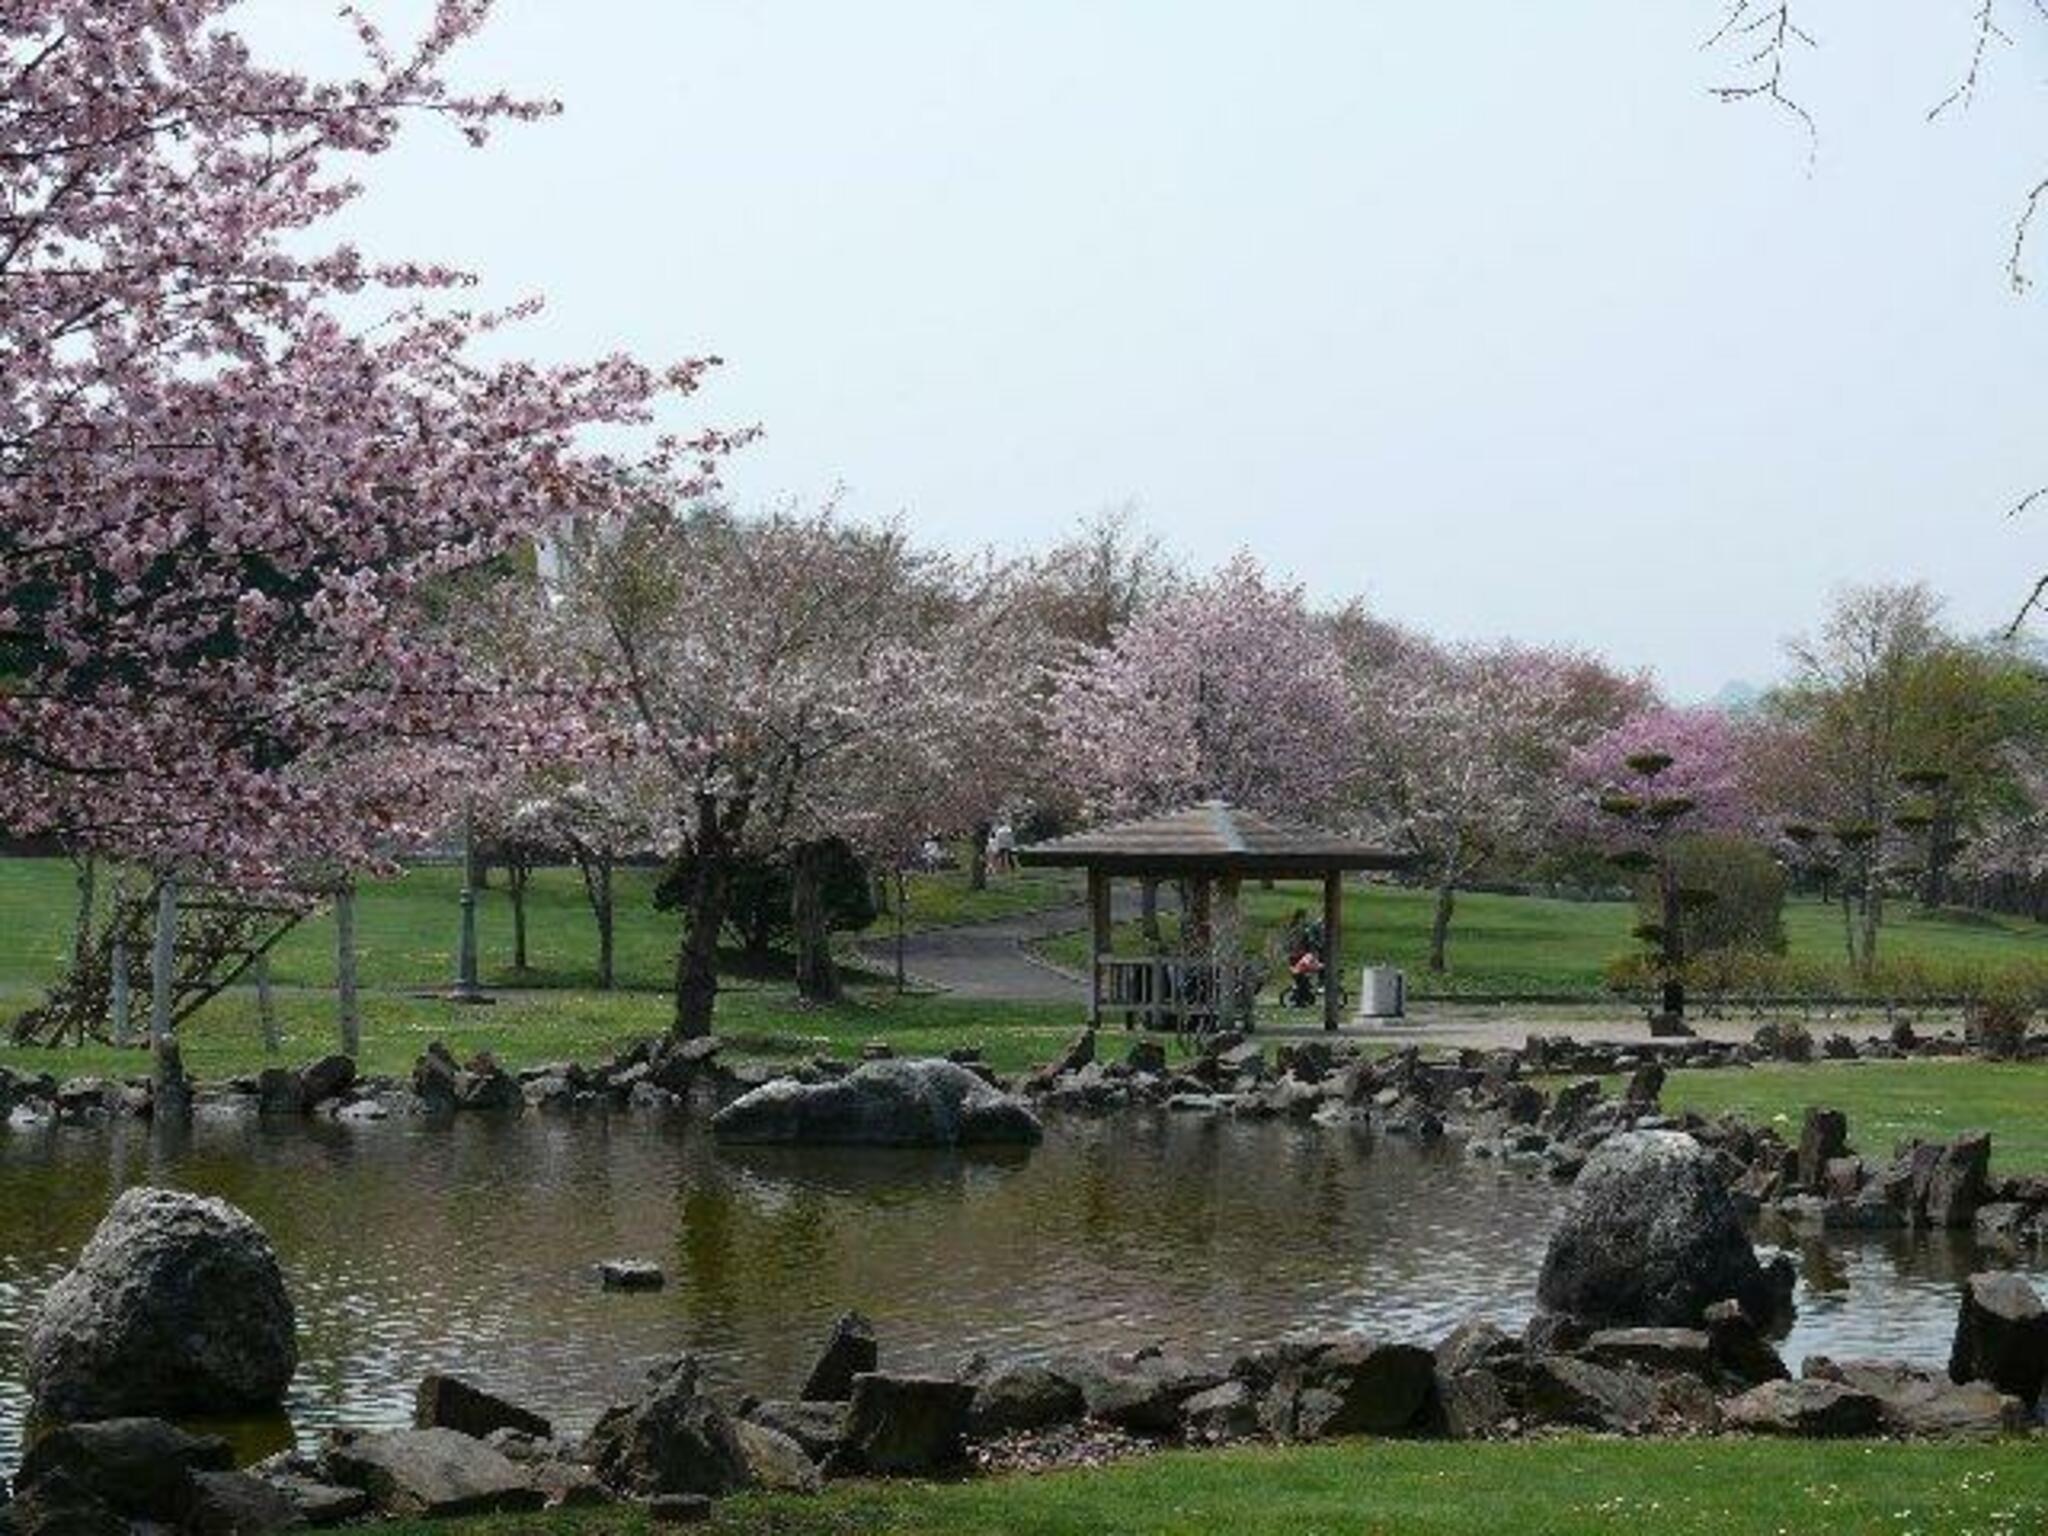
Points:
point(1333, 946)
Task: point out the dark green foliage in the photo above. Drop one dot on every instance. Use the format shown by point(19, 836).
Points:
point(757, 909)
point(1733, 893)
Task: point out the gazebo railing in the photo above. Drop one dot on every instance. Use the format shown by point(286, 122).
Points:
point(1178, 992)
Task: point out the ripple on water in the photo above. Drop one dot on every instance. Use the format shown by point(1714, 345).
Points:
point(471, 1247)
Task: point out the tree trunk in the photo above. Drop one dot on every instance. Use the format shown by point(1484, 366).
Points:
point(517, 872)
point(601, 903)
point(86, 868)
point(1673, 912)
point(1873, 915)
point(817, 978)
point(977, 863)
point(596, 869)
point(350, 1015)
point(1148, 912)
point(902, 902)
point(1440, 926)
point(697, 954)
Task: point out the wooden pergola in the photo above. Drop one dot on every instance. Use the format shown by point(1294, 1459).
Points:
point(1212, 847)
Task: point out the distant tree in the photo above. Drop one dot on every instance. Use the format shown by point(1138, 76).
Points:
point(1464, 755)
point(1229, 688)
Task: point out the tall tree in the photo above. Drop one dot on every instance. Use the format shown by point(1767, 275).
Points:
point(1464, 754)
point(228, 519)
point(1229, 688)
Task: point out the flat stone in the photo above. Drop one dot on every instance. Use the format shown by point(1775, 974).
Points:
point(236, 1504)
point(1023, 1397)
point(430, 1472)
point(819, 1428)
point(319, 1503)
point(630, 1275)
point(775, 1461)
point(1807, 1408)
point(1919, 1402)
point(1564, 1390)
point(1688, 1351)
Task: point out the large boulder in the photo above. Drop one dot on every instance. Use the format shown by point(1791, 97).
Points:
point(1651, 1239)
point(2001, 1335)
point(820, 1428)
point(430, 1472)
point(932, 1103)
point(675, 1439)
point(176, 1306)
point(236, 1504)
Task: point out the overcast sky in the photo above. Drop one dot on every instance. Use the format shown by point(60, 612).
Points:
point(1487, 311)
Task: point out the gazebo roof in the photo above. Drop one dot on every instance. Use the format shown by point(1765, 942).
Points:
point(1214, 837)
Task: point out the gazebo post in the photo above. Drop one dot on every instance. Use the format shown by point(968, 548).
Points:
point(1333, 944)
point(1099, 941)
point(1227, 973)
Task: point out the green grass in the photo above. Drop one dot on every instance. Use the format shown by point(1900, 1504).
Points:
point(1566, 1487)
point(406, 927)
point(1887, 1101)
point(527, 1028)
point(1536, 945)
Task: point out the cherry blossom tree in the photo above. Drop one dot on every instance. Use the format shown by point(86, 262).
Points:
point(1230, 688)
point(1464, 756)
point(1710, 765)
point(757, 663)
point(230, 522)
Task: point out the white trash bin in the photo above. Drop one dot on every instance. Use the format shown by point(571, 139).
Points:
point(1384, 991)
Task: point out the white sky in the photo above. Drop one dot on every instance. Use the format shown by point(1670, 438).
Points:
point(1486, 311)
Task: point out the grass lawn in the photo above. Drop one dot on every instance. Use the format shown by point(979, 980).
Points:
point(406, 927)
point(1889, 1100)
point(1529, 944)
point(1568, 1487)
point(526, 1028)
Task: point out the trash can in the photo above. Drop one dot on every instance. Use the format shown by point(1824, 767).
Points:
point(1385, 992)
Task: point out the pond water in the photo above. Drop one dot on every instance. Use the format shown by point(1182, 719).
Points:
point(469, 1246)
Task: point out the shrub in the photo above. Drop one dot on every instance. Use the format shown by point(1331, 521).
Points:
point(1736, 894)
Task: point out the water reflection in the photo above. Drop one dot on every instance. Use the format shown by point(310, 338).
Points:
point(413, 1246)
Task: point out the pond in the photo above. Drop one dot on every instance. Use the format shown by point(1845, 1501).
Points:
point(469, 1246)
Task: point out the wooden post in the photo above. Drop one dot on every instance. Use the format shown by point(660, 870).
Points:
point(1229, 938)
point(1195, 932)
point(119, 961)
point(1099, 941)
point(1333, 946)
point(266, 1006)
point(345, 970)
point(162, 957)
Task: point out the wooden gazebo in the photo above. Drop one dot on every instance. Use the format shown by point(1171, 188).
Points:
point(1212, 847)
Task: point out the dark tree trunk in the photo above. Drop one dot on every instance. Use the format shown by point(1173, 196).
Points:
point(597, 890)
point(517, 872)
point(977, 863)
point(817, 978)
point(1440, 926)
point(704, 916)
point(902, 905)
point(1673, 912)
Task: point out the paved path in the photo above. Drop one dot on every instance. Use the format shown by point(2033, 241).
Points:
point(988, 960)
